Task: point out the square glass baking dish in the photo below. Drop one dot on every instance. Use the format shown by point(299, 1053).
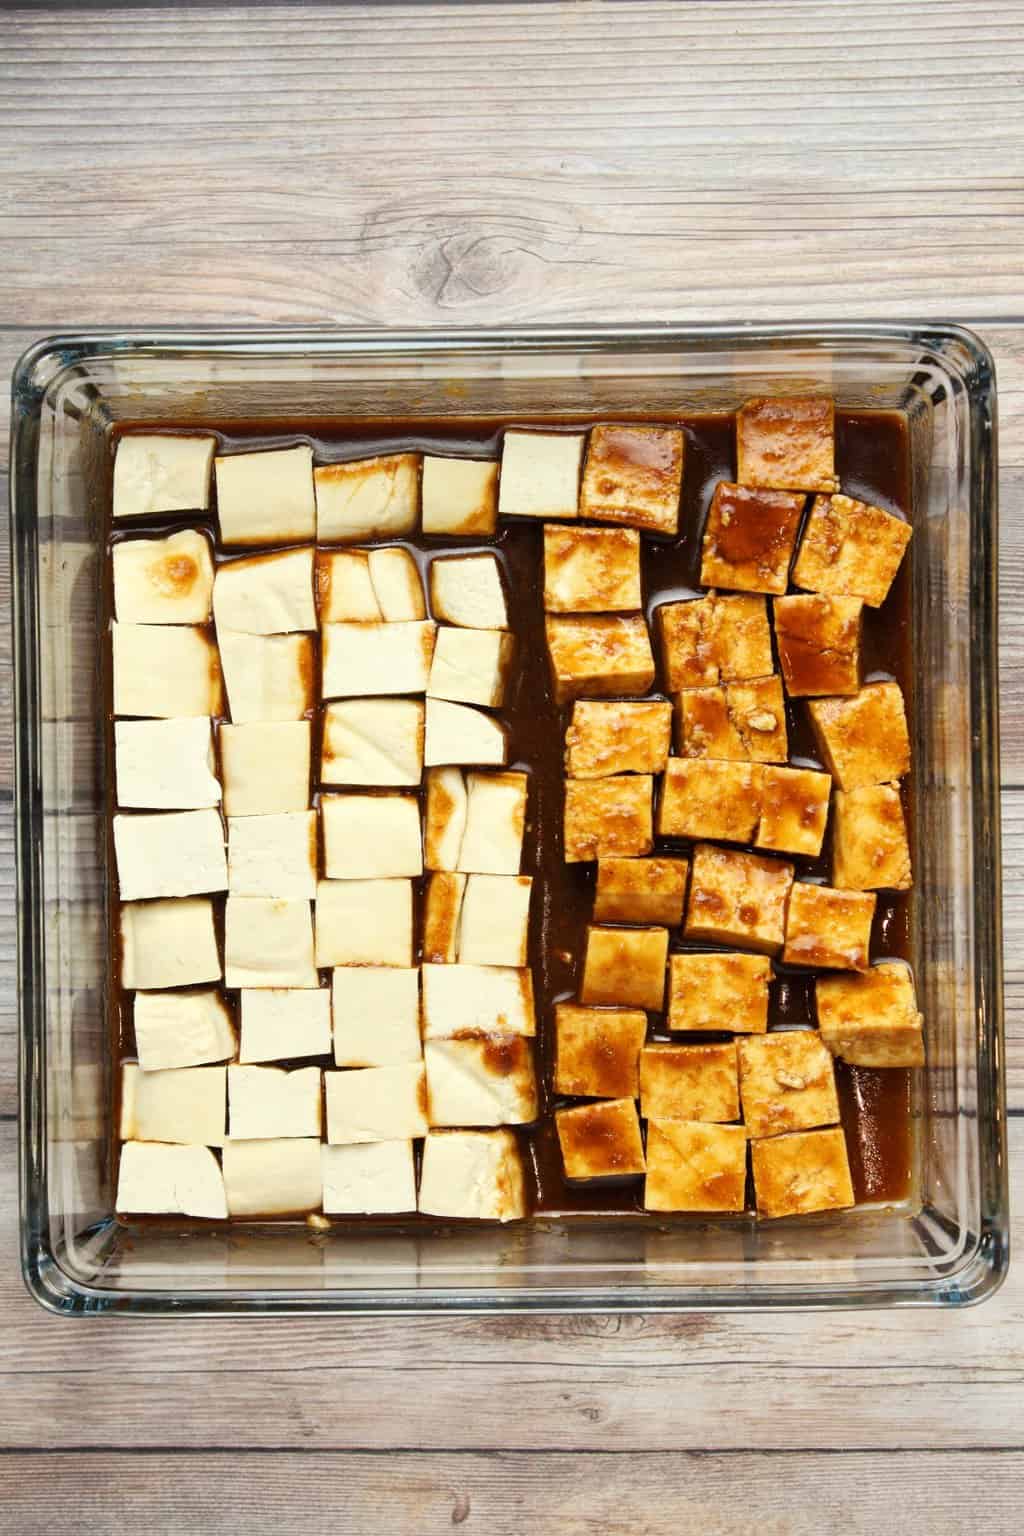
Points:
point(946, 1245)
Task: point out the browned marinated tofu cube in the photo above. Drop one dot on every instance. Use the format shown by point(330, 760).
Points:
point(640, 891)
point(598, 1051)
point(600, 1141)
point(716, 991)
point(788, 444)
point(601, 654)
point(829, 928)
point(625, 966)
point(749, 538)
point(794, 810)
point(608, 817)
point(870, 851)
point(617, 736)
point(701, 797)
point(634, 475)
point(714, 639)
point(442, 910)
point(800, 1173)
point(850, 549)
point(690, 1082)
point(694, 1166)
point(819, 644)
point(704, 727)
point(738, 898)
point(864, 739)
point(591, 570)
point(872, 1020)
point(742, 722)
point(787, 1082)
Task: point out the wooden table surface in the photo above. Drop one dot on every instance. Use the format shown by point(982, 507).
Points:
point(481, 163)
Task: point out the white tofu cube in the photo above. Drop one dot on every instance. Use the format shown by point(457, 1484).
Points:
point(280, 1024)
point(368, 1179)
point(155, 1180)
point(266, 594)
point(373, 741)
point(445, 820)
point(442, 916)
point(471, 666)
point(364, 922)
point(168, 943)
point(467, 590)
point(371, 837)
point(158, 472)
point(344, 587)
point(273, 855)
point(484, 1081)
point(163, 581)
point(266, 498)
point(495, 822)
point(459, 495)
point(268, 677)
point(540, 474)
point(175, 853)
point(456, 733)
point(266, 767)
point(376, 1015)
point(182, 1105)
point(165, 765)
point(267, 1102)
point(272, 1178)
point(182, 1029)
point(268, 943)
point(165, 671)
point(367, 499)
point(474, 1175)
point(495, 923)
point(376, 1104)
point(362, 659)
point(475, 1000)
point(397, 585)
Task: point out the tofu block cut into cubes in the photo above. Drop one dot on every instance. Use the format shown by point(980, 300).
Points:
point(804, 1172)
point(738, 898)
point(540, 474)
point(442, 916)
point(749, 538)
point(363, 659)
point(689, 1082)
point(601, 654)
point(376, 1015)
point(280, 1023)
point(828, 927)
point(376, 1104)
point(168, 943)
point(605, 817)
point(364, 922)
point(367, 499)
point(870, 851)
point(600, 1141)
point(787, 1082)
point(373, 742)
point(591, 570)
point(181, 1105)
point(467, 590)
point(268, 943)
point(481, 1080)
point(606, 738)
point(719, 992)
point(162, 472)
point(819, 644)
point(445, 819)
point(477, 1000)
point(794, 810)
point(266, 767)
point(625, 966)
point(634, 475)
point(182, 1029)
point(266, 594)
point(397, 585)
point(371, 837)
point(714, 639)
point(273, 1178)
point(165, 765)
point(268, 677)
point(471, 666)
point(159, 1180)
point(640, 891)
point(598, 1051)
point(495, 920)
point(872, 1020)
point(175, 853)
point(864, 739)
point(693, 1166)
point(266, 498)
point(273, 855)
point(459, 496)
point(735, 722)
point(474, 1175)
point(165, 671)
point(492, 843)
point(850, 549)
point(787, 443)
point(369, 1178)
point(163, 581)
point(267, 1102)
point(344, 587)
point(457, 733)
point(701, 797)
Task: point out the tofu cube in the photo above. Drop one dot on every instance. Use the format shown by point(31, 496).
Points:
point(863, 740)
point(495, 920)
point(819, 644)
point(281, 1023)
point(492, 843)
point(705, 798)
point(872, 1020)
point(794, 810)
point(397, 584)
point(160, 472)
point(175, 853)
point(442, 915)
point(606, 738)
point(475, 1175)
point(694, 1166)
point(477, 1000)
point(787, 1082)
point(268, 943)
point(163, 581)
point(165, 671)
point(800, 1173)
point(605, 817)
point(155, 1180)
point(540, 474)
point(749, 538)
point(598, 1051)
point(376, 1104)
point(168, 944)
point(851, 549)
point(367, 499)
point(165, 765)
point(272, 1178)
point(459, 495)
point(344, 587)
point(268, 677)
point(181, 1105)
point(457, 733)
point(640, 891)
point(467, 590)
point(376, 1015)
point(266, 594)
point(445, 819)
point(267, 1102)
point(738, 722)
point(738, 898)
point(182, 1029)
point(870, 851)
point(714, 639)
point(600, 1141)
point(369, 1179)
point(266, 498)
point(266, 767)
point(689, 1082)
point(364, 922)
point(719, 991)
point(371, 837)
point(373, 741)
point(363, 659)
point(602, 654)
point(273, 855)
point(625, 966)
point(828, 927)
point(591, 570)
point(787, 443)
point(705, 727)
point(634, 475)
point(483, 1080)
point(471, 666)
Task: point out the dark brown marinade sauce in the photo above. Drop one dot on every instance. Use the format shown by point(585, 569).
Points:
point(872, 461)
